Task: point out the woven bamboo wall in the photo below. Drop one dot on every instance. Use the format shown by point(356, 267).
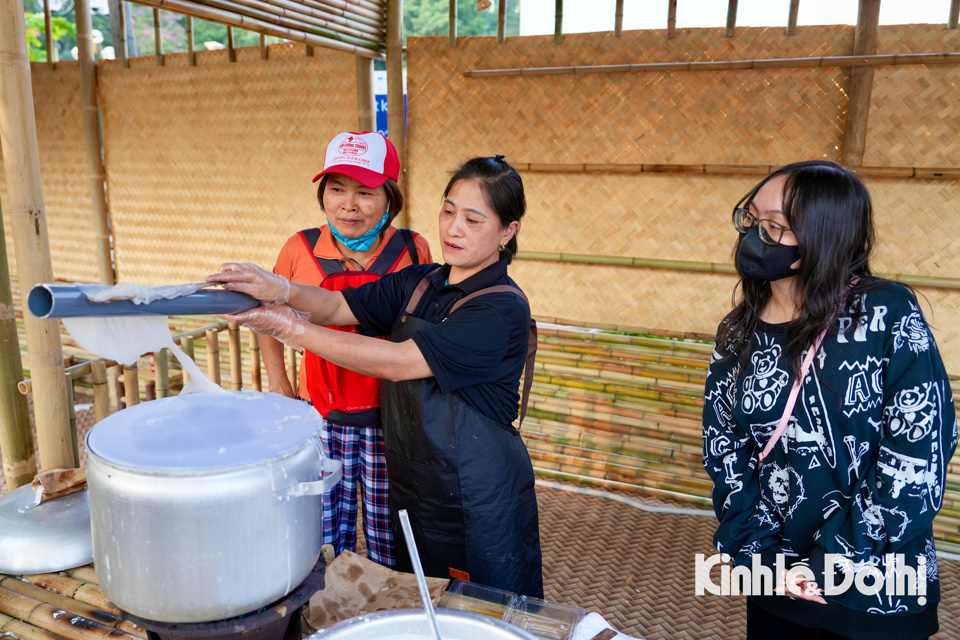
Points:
point(213, 162)
point(63, 170)
point(770, 116)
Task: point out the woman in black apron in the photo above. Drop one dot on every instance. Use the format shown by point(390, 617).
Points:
point(460, 336)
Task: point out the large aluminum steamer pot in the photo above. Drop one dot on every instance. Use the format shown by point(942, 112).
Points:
point(206, 506)
point(412, 624)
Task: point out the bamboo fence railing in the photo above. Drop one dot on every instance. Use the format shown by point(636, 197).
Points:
point(919, 173)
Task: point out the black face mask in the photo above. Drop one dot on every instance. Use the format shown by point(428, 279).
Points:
point(759, 261)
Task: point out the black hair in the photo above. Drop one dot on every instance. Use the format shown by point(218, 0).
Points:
point(830, 212)
point(503, 188)
point(392, 189)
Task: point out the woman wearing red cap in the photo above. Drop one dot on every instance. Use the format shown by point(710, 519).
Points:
point(358, 193)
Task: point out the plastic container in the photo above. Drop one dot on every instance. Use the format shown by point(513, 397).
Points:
point(468, 596)
point(545, 619)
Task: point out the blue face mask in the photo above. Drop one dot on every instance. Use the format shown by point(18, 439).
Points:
point(365, 241)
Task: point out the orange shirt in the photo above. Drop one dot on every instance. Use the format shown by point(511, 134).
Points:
point(297, 265)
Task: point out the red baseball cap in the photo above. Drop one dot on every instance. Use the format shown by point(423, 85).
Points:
point(368, 158)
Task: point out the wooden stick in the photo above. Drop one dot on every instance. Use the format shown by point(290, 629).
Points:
point(883, 60)
point(954, 16)
point(558, 22)
point(861, 84)
point(236, 359)
point(101, 396)
point(309, 50)
point(191, 54)
point(157, 37)
point(94, 148)
point(72, 413)
point(502, 21)
point(255, 379)
point(161, 363)
point(213, 355)
point(48, 35)
point(120, 42)
point(186, 344)
point(395, 103)
point(263, 47)
point(28, 221)
point(365, 100)
point(131, 385)
point(16, 439)
point(671, 19)
point(618, 20)
point(232, 18)
point(792, 18)
point(231, 52)
point(731, 18)
point(452, 24)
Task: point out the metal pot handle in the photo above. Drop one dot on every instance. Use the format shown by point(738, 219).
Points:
point(323, 485)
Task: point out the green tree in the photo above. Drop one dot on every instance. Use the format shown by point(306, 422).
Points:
point(36, 39)
point(432, 18)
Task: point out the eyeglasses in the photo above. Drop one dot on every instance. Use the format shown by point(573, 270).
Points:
point(770, 232)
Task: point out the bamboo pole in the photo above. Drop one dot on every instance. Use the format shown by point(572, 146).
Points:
point(502, 21)
point(191, 53)
point(954, 16)
point(231, 52)
point(396, 110)
point(232, 18)
point(23, 631)
point(213, 355)
point(359, 28)
point(618, 20)
point(309, 50)
point(186, 344)
point(101, 396)
point(161, 363)
point(362, 10)
point(24, 199)
point(861, 84)
point(131, 385)
point(365, 104)
point(263, 47)
point(255, 379)
point(48, 35)
point(291, 366)
point(91, 133)
point(236, 357)
point(792, 18)
point(557, 22)
point(158, 37)
point(120, 42)
point(47, 616)
point(72, 412)
point(272, 13)
point(16, 439)
point(671, 19)
point(731, 18)
point(868, 61)
point(452, 24)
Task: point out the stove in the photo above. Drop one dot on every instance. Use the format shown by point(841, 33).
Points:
point(277, 621)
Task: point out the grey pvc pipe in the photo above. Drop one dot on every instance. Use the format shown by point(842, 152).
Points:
point(69, 301)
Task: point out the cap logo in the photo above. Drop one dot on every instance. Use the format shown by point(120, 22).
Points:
point(353, 146)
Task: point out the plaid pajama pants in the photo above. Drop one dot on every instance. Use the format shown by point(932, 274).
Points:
point(361, 451)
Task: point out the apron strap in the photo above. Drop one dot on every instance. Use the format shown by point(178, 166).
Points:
point(418, 292)
point(531, 342)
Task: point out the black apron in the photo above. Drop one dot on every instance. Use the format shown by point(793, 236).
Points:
point(465, 480)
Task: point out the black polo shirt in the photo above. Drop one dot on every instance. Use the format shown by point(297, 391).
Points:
point(478, 352)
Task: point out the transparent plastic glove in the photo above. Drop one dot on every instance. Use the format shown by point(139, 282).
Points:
point(250, 279)
point(275, 320)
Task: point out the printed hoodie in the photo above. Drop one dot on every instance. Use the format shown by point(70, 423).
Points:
point(859, 471)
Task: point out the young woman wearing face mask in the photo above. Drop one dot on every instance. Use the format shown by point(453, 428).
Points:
point(460, 335)
point(359, 196)
point(848, 479)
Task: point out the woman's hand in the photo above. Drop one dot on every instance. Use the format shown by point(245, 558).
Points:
point(795, 585)
point(250, 279)
point(275, 320)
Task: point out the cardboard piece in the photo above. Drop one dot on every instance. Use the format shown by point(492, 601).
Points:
point(355, 586)
point(59, 482)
